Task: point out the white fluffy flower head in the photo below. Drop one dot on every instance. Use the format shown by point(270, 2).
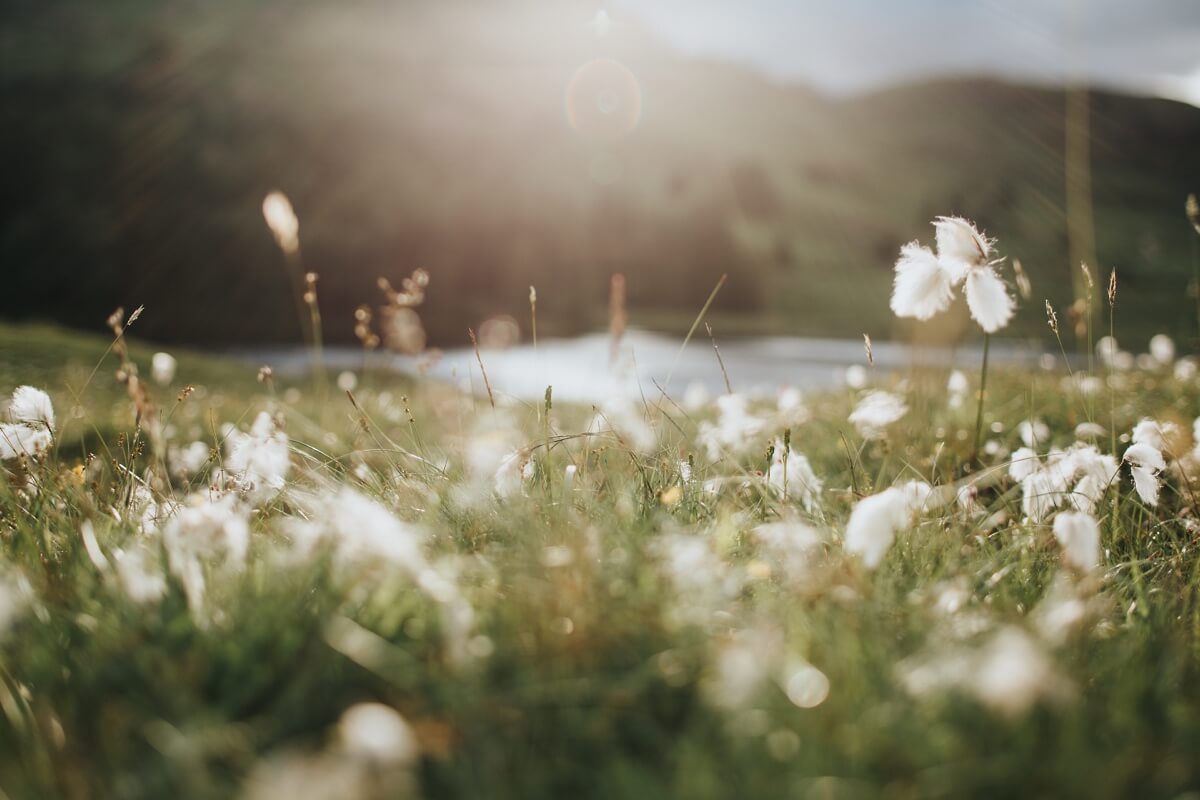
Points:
point(792, 475)
point(875, 412)
point(925, 281)
point(876, 520)
point(1145, 462)
point(1079, 536)
point(30, 429)
point(32, 407)
point(261, 459)
point(162, 368)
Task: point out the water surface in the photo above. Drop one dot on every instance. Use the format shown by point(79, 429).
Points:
point(583, 369)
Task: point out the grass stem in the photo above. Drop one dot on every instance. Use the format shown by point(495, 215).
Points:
point(987, 341)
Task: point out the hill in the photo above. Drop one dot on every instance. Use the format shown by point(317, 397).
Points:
point(506, 144)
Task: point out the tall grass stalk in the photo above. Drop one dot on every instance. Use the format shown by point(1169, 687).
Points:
point(987, 342)
point(1112, 391)
point(1192, 210)
point(314, 322)
point(1052, 321)
point(1091, 290)
point(725, 374)
point(487, 384)
point(692, 330)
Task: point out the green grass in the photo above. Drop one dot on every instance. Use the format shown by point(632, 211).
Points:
point(584, 669)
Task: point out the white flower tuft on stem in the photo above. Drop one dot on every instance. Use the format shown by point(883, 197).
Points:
point(925, 281)
point(875, 412)
point(793, 476)
point(30, 429)
point(1079, 536)
point(1145, 462)
point(876, 520)
point(923, 287)
point(32, 407)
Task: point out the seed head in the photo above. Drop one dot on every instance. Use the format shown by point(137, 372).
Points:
point(281, 219)
point(412, 290)
point(1192, 207)
point(1052, 318)
point(362, 327)
point(116, 321)
point(1023, 284)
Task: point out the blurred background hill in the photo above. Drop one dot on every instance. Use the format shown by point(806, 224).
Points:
point(506, 144)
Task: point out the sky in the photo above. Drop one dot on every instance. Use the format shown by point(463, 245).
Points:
point(1147, 46)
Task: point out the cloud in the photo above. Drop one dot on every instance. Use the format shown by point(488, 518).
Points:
point(853, 45)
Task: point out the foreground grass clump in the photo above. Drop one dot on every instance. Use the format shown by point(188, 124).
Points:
point(251, 591)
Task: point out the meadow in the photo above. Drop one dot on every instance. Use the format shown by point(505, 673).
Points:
point(221, 584)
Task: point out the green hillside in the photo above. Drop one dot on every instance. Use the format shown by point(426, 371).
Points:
point(143, 136)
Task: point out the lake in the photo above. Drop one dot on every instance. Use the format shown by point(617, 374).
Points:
point(582, 369)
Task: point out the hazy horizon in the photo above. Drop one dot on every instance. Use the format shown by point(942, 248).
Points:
point(851, 47)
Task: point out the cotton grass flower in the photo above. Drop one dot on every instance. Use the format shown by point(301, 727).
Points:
point(957, 387)
point(258, 461)
point(696, 396)
point(790, 407)
point(1078, 476)
point(792, 476)
point(735, 428)
point(514, 470)
point(875, 412)
point(205, 536)
point(960, 245)
point(1159, 435)
point(988, 299)
point(1009, 673)
point(856, 376)
point(1033, 432)
point(1162, 348)
point(139, 574)
point(360, 532)
point(371, 754)
point(22, 440)
point(377, 733)
point(162, 368)
point(1013, 673)
point(923, 286)
point(1145, 462)
point(925, 281)
point(188, 461)
point(32, 407)
point(740, 666)
point(1107, 349)
point(876, 520)
point(701, 581)
point(30, 429)
point(282, 221)
point(1079, 535)
point(625, 419)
